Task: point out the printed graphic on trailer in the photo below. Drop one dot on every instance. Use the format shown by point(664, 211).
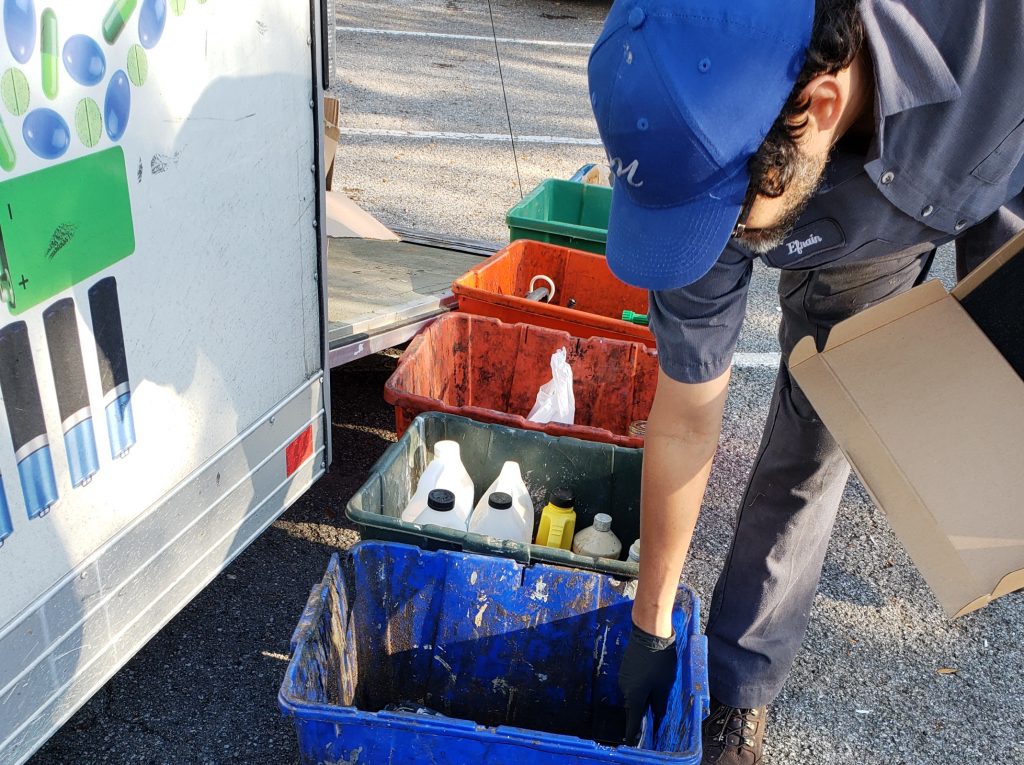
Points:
point(61, 225)
point(158, 258)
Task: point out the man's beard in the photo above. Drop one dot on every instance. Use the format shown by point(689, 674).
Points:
point(802, 186)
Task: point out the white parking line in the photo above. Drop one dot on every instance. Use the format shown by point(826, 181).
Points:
point(438, 135)
point(747, 360)
point(475, 38)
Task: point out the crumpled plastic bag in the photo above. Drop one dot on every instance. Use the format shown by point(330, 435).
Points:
point(555, 399)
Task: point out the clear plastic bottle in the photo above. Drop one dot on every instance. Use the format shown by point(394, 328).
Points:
point(598, 541)
point(510, 481)
point(500, 519)
point(558, 520)
point(440, 511)
point(445, 471)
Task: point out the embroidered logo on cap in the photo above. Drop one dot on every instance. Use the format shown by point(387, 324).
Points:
point(628, 171)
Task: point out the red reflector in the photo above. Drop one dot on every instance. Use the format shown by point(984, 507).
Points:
point(299, 450)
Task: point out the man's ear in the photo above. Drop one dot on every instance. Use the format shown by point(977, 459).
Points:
point(825, 99)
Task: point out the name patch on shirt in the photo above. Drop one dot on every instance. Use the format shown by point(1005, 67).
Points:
point(808, 241)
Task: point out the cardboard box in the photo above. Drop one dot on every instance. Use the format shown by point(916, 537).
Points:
point(332, 134)
point(930, 414)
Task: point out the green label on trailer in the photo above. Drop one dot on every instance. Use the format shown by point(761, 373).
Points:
point(61, 225)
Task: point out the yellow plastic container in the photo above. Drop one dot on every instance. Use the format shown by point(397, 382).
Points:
point(558, 521)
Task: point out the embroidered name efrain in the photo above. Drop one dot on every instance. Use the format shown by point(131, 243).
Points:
point(798, 246)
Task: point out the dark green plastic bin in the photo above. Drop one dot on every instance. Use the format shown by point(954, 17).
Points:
point(605, 479)
point(565, 213)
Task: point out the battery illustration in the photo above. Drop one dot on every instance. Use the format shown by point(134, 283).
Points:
point(5, 515)
point(61, 325)
point(117, 393)
point(25, 420)
point(61, 225)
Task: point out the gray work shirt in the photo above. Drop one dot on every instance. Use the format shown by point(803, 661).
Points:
point(947, 155)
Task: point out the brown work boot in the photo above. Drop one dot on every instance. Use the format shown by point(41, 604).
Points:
point(734, 736)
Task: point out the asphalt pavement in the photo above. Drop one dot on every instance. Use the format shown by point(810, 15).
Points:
point(883, 678)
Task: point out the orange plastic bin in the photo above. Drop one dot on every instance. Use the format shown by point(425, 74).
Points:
point(484, 369)
point(497, 287)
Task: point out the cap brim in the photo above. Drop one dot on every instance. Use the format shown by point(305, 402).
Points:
point(668, 247)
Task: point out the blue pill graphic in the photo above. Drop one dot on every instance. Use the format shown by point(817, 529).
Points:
point(20, 27)
point(117, 105)
point(46, 133)
point(84, 60)
point(152, 18)
point(5, 515)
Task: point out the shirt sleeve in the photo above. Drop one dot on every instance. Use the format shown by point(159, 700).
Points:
point(696, 327)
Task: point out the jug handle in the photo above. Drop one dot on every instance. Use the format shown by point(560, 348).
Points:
point(556, 532)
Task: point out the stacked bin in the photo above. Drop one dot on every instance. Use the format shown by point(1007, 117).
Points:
point(498, 288)
point(517, 664)
point(482, 368)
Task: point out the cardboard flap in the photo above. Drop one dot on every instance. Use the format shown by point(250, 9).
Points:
point(989, 267)
point(930, 416)
point(885, 313)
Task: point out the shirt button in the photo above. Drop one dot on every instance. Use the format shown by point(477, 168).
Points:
point(636, 17)
point(928, 210)
point(960, 225)
point(887, 177)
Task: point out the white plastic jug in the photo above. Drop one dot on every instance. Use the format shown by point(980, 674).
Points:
point(510, 481)
point(500, 519)
point(445, 471)
point(440, 511)
point(634, 552)
point(599, 541)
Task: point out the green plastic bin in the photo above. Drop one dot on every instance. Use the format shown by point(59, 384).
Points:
point(565, 213)
point(605, 479)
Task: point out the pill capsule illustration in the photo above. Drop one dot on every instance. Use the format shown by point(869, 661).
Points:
point(152, 17)
point(138, 65)
point(14, 90)
point(20, 28)
point(60, 321)
point(113, 363)
point(117, 105)
point(46, 133)
point(49, 48)
point(5, 515)
point(84, 60)
point(88, 122)
point(7, 155)
point(177, 7)
point(25, 422)
point(116, 19)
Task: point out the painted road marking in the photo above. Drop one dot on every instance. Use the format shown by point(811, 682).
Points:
point(439, 135)
point(475, 38)
point(746, 360)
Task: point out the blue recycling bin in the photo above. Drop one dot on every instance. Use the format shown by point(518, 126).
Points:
point(516, 663)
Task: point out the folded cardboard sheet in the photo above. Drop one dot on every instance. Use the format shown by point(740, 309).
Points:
point(930, 414)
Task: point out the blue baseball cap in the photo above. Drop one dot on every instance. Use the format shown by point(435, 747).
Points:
point(684, 92)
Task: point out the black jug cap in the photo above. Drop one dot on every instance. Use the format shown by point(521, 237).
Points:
point(563, 498)
point(441, 500)
point(499, 500)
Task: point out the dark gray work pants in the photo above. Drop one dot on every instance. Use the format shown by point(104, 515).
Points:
point(761, 605)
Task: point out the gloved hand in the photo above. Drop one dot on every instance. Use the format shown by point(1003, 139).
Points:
point(645, 678)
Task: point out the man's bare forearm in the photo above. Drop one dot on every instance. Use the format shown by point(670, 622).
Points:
point(682, 437)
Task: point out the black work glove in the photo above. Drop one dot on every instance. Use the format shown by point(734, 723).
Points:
point(646, 677)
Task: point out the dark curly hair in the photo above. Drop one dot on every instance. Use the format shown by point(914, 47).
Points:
point(835, 40)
